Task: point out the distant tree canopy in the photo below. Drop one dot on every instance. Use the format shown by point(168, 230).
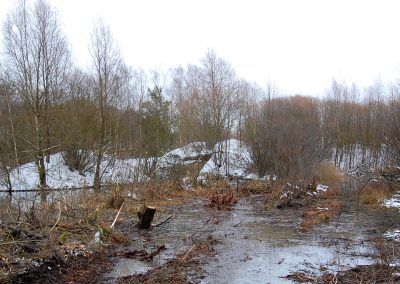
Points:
point(157, 135)
point(48, 105)
point(285, 136)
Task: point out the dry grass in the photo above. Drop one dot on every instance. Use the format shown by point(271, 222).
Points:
point(222, 201)
point(375, 192)
point(319, 215)
point(61, 227)
point(327, 172)
point(273, 194)
point(257, 186)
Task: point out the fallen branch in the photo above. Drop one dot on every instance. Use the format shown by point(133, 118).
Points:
point(154, 253)
point(186, 255)
point(361, 189)
point(116, 217)
point(301, 277)
point(58, 218)
point(141, 254)
point(165, 221)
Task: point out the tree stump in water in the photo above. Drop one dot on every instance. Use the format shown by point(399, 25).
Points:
point(146, 217)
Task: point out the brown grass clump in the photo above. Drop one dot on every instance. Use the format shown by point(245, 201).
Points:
point(273, 195)
point(318, 215)
point(153, 191)
point(374, 273)
point(375, 192)
point(257, 186)
point(222, 201)
point(326, 171)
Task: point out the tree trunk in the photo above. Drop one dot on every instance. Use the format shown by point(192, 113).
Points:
point(42, 171)
point(40, 158)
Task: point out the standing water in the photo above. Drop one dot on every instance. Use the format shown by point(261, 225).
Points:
point(254, 245)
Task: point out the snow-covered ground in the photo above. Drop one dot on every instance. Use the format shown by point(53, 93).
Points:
point(230, 157)
point(393, 202)
point(393, 234)
point(187, 155)
point(358, 161)
point(60, 176)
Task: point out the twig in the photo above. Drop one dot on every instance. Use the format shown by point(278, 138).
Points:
point(186, 255)
point(165, 221)
point(116, 217)
point(154, 253)
point(17, 242)
point(361, 189)
point(58, 218)
point(238, 223)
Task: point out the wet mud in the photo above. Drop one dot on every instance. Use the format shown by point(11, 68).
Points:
point(254, 245)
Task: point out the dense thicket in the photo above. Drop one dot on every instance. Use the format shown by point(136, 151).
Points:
point(47, 105)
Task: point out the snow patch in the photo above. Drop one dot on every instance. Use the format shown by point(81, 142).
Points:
point(230, 158)
point(187, 155)
point(322, 188)
point(393, 234)
point(59, 175)
point(393, 202)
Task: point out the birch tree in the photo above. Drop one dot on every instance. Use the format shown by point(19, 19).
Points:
point(37, 59)
point(108, 79)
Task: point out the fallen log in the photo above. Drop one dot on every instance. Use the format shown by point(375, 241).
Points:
point(146, 217)
point(142, 255)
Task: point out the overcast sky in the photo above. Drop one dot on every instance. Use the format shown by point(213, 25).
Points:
point(298, 45)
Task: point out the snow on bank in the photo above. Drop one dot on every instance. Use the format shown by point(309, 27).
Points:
point(230, 158)
point(393, 234)
point(358, 160)
point(58, 174)
point(186, 155)
point(393, 202)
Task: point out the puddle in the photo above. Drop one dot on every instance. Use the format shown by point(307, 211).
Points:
point(261, 251)
point(255, 245)
point(192, 222)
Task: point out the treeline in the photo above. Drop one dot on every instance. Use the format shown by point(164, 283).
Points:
point(48, 105)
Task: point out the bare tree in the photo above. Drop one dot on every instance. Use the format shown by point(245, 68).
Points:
point(37, 59)
point(219, 94)
point(285, 136)
point(392, 126)
point(108, 79)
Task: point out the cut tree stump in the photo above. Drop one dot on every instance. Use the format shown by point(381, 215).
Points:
point(146, 217)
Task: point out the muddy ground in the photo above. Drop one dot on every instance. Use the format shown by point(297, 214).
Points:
point(247, 244)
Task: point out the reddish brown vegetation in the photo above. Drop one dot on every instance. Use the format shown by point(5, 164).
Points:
point(315, 215)
point(222, 201)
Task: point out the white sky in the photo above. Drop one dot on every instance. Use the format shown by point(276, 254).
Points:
point(298, 45)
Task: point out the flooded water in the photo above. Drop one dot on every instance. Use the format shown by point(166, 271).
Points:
point(191, 222)
point(254, 245)
point(265, 247)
